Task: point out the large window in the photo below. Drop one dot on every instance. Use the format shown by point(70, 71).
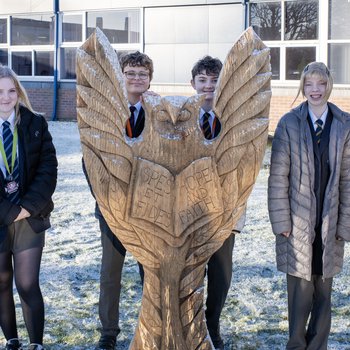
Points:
point(43, 63)
point(3, 41)
point(22, 62)
point(29, 49)
point(338, 23)
point(4, 57)
point(339, 40)
point(72, 28)
point(3, 30)
point(338, 62)
point(296, 60)
point(284, 25)
point(32, 30)
point(175, 37)
point(301, 20)
point(67, 59)
point(265, 18)
point(122, 28)
point(275, 62)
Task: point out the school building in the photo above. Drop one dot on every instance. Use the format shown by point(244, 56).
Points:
point(39, 38)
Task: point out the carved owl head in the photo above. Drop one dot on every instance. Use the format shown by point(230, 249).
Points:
point(172, 133)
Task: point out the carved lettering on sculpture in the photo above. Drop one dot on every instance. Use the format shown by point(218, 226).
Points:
point(152, 195)
point(198, 196)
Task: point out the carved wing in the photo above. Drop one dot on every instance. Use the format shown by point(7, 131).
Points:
point(102, 114)
point(242, 102)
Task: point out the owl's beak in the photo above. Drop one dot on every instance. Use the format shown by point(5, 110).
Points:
point(174, 117)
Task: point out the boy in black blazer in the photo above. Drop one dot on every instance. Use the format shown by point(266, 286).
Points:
point(205, 74)
point(138, 70)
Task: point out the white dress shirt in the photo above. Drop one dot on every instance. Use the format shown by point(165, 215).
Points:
point(314, 118)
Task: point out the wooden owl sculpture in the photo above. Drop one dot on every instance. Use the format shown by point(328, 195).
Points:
point(171, 196)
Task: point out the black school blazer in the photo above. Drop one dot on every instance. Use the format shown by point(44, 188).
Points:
point(38, 174)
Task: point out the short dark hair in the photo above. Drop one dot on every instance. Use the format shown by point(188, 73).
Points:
point(137, 59)
point(208, 64)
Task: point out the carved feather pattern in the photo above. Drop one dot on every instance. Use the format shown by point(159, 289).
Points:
point(171, 196)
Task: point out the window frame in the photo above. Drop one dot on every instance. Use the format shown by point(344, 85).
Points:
point(283, 44)
point(83, 24)
point(117, 47)
point(6, 46)
point(32, 50)
point(31, 14)
point(328, 41)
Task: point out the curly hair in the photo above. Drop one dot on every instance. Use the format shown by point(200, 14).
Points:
point(137, 59)
point(207, 64)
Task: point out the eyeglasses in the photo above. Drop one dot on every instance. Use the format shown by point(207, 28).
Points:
point(133, 75)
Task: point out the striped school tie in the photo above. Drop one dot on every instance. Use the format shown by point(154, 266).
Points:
point(7, 138)
point(319, 130)
point(206, 126)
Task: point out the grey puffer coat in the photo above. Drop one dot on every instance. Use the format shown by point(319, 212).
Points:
point(291, 198)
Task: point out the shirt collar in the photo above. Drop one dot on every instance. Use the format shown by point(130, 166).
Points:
point(314, 118)
point(10, 119)
point(137, 106)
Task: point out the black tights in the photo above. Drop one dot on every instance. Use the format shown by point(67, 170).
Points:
point(25, 268)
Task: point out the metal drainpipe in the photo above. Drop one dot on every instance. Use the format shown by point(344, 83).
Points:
point(245, 4)
point(55, 84)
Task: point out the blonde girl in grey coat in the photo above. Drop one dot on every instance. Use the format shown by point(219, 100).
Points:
point(309, 205)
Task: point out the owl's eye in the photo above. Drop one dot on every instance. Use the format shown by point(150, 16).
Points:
point(162, 116)
point(184, 115)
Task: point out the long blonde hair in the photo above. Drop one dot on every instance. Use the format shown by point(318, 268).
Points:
point(319, 70)
point(6, 72)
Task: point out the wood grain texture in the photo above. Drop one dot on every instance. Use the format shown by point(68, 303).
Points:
point(171, 196)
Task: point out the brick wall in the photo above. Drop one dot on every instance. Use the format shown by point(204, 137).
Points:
point(41, 97)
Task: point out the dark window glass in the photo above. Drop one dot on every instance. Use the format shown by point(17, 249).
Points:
point(72, 28)
point(44, 63)
point(275, 62)
point(296, 59)
point(4, 57)
point(68, 56)
point(22, 63)
point(32, 30)
point(301, 20)
point(119, 26)
point(265, 18)
point(338, 61)
point(339, 13)
point(3, 30)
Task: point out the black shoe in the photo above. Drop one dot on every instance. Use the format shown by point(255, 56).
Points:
point(218, 343)
point(13, 344)
point(106, 342)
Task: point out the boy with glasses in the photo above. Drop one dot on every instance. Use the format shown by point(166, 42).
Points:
point(138, 70)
